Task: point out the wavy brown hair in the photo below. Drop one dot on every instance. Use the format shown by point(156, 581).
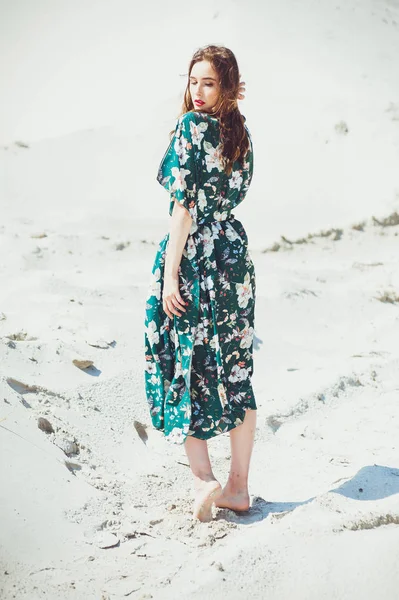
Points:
point(233, 136)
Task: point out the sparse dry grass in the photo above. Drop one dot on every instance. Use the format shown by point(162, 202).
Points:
point(389, 297)
point(359, 226)
point(289, 244)
point(341, 128)
point(373, 522)
point(390, 221)
point(21, 144)
point(335, 234)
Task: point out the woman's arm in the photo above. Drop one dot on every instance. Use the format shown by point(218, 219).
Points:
point(179, 229)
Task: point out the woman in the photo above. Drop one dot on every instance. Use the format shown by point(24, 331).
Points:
point(200, 307)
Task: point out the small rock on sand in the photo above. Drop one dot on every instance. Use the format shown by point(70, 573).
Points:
point(105, 539)
point(141, 431)
point(45, 425)
point(82, 364)
point(69, 447)
point(103, 344)
point(72, 466)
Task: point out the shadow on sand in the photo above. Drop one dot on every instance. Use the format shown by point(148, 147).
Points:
point(373, 482)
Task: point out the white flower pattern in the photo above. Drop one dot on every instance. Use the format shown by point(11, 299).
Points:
point(247, 336)
point(236, 180)
point(180, 178)
point(181, 149)
point(238, 374)
point(231, 233)
point(213, 157)
point(152, 333)
point(201, 199)
point(151, 367)
point(197, 132)
point(155, 285)
point(207, 242)
point(244, 291)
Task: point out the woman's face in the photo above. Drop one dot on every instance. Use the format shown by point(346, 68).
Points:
point(204, 86)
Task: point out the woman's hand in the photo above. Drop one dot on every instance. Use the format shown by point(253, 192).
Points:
point(172, 301)
point(241, 91)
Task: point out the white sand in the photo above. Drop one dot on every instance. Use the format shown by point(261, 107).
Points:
point(82, 214)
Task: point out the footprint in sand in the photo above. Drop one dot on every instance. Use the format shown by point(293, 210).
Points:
point(20, 387)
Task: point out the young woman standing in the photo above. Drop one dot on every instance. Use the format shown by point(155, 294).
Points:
point(199, 322)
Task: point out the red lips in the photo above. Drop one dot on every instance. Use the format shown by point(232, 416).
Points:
point(199, 102)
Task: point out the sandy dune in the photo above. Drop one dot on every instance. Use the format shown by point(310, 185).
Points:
point(99, 506)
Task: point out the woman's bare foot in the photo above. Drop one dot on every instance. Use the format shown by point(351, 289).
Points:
point(237, 501)
point(206, 494)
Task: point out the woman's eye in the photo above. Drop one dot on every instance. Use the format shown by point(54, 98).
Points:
point(209, 84)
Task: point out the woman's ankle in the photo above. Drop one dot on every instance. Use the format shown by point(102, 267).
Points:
point(236, 485)
point(201, 478)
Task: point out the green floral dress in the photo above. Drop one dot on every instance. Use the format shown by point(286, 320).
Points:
point(198, 366)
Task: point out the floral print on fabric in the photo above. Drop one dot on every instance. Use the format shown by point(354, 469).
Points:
point(199, 365)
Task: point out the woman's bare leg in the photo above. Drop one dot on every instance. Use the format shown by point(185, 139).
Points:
point(207, 488)
point(235, 493)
